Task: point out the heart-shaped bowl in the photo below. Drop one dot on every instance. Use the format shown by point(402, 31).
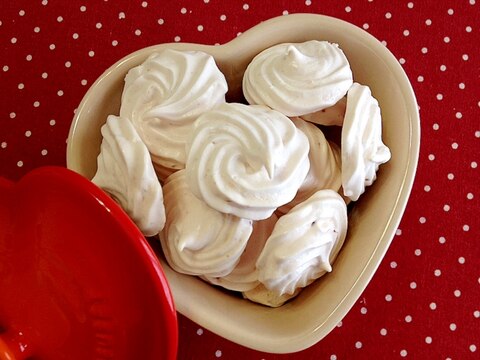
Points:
point(373, 219)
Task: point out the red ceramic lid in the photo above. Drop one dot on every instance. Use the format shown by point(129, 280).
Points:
point(77, 278)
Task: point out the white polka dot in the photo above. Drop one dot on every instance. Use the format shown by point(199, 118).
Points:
point(446, 39)
point(83, 8)
point(439, 96)
point(383, 331)
point(44, 2)
point(446, 207)
point(410, 5)
point(59, 19)
point(13, 115)
point(365, 26)
point(454, 146)
point(433, 306)
point(401, 61)
point(465, 227)
point(468, 29)
point(98, 25)
point(333, 357)
point(469, 196)
point(246, 6)
point(223, 17)
point(200, 27)
point(427, 188)
point(437, 272)
point(393, 264)
point(183, 10)
point(358, 345)
point(339, 324)
point(465, 57)
point(388, 15)
point(450, 176)
point(308, 2)
point(28, 133)
point(398, 232)
point(422, 220)
point(177, 38)
point(473, 348)
point(68, 64)
point(52, 122)
point(453, 326)
point(285, 12)
point(408, 319)
point(477, 134)
point(428, 22)
point(36, 29)
point(21, 86)
point(457, 293)
point(52, 47)
point(424, 50)
point(138, 32)
point(83, 82)
point(476, 313)
point(403, 353)
point(473, 165)
point(450, 11)
point(461, 86)
point(28, 57)
point(20, 163)
point(161, 21)
point(420, 78)
point(443, 68)
point(200, 331)
point(406, 32)
point(44, 152)
point(144, 4)
point(36, 103)
point(413, 285)
point(75, 36)
point(418, 252)
point(442, 240)
point(218, 353)
point(121, 15)
point(114, 43)
point(348, 9)
point(428, 340)
point(388, 297)
point(13, 40)
point(3, 145)
point(363, 310)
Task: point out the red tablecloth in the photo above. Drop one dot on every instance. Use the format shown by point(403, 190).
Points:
point(424, 301)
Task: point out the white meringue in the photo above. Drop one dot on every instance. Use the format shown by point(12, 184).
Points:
point(165, 95)
point(325, 167)
point(362, 148)
point(298, 78)
point(246, 160)
point(332, 115)
point(245, 275)
point(304, 243)
point(197, 239)
point(125, 171)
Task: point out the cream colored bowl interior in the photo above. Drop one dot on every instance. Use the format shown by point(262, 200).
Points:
point(373, 219)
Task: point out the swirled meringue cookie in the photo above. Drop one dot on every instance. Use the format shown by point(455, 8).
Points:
point(298, 78)
point(261, 295)
point(246, 160)
point(362, 148)
point(332, 115)
point(197, 239)
point(244, 276)
point(304, 243)
point(325, 167)
point(165, 95)
point(125, 171)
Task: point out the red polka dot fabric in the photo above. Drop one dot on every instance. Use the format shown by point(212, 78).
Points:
point(424, 300)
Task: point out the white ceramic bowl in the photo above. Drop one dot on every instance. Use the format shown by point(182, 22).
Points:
point(373, 219)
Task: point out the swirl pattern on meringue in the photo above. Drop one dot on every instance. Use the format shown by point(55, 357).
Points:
point(362, 149)
point(246, 160)
point(304, 243)
point(125, 171)
point(244, 276)
point(197, 239)
point(163, 97)
point(298, 78)
point(325, 167)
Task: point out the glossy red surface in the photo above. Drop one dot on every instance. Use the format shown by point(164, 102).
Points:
point(77, 279)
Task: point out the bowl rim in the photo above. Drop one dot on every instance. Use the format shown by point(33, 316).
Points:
point(306, 20)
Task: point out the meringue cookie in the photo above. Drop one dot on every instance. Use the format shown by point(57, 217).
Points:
point(125, 171)
point(245, 275)
point(362, 148)
point(262, 295)
point(165, 95)
point(246, 160)
point(298, 78)
point(325, 167)
point(332, 115)
point(197, 239)
point(304, 243)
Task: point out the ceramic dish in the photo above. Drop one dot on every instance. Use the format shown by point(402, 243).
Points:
point(373, 219)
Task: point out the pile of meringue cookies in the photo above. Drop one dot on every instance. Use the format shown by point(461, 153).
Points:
point(249, 197)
